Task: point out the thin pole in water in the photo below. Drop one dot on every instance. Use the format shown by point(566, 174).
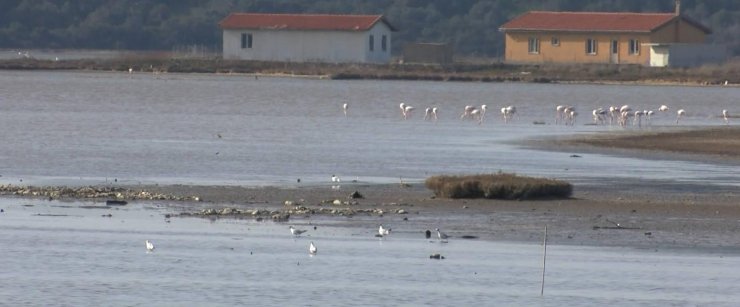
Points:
point(544, 261)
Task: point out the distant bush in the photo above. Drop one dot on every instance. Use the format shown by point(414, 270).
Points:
point(498, 186)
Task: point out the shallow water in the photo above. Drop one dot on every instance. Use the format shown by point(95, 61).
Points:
point(81, 259)
point(93, 127)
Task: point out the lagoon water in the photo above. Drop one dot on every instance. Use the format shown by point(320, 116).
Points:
point(58, 254)
point(92, 127)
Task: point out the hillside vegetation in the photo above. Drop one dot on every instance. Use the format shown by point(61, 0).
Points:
point(470, 25)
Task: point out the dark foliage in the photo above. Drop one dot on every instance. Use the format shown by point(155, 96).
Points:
point(498, 186)
point(470, 25)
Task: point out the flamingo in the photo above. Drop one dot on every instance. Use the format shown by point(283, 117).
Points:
point(680, 113)
point(149, 246)
point(403, 109)
point(384, 231)
point(638, 118)
point(475, 114)
point(407, 112)
point(427, 113)
point(559, 113)
point(663, 108)
point(130, 70)
point(599, 115)
point(312, 249)
point(434, 113)
point(613, 113)
point(508, 113)
point(344, 108)
point(296, 232)
point(726, 116)
point(467, 111)
point(648, 117)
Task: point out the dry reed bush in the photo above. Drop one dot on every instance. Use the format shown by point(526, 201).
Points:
point(498, 186)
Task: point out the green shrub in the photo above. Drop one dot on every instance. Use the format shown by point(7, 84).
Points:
point(498, 186)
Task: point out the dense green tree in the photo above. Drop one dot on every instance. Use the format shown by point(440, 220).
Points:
point(470, 25)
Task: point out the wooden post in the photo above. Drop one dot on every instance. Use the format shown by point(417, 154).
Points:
point(544, 261)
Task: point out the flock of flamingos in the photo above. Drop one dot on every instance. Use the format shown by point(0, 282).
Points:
point(564, 114)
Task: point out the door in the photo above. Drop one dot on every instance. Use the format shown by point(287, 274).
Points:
point(614, 54)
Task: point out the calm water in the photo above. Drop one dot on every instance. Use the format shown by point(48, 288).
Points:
point(80, 128)
point(84, 259)
point(91, 126)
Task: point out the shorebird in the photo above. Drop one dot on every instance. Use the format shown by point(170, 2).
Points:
point(296, 232)
point(384, 231)
point(441, 235)
point(149, 246)
point(312, 249)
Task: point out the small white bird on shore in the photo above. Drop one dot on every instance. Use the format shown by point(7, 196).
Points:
point(334, 178)
point(441, 235)
point(312, 249)
point(384, 231)
point(296, 232)
point(149, 246)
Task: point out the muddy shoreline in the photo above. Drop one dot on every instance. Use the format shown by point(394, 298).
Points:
point(459, 72)
point(607, 212)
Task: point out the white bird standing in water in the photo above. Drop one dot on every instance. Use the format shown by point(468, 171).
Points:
point(312, 249)
point(679, 114)
point(344, 108)
point(384, 231)
point(434, 114)
point(663, 108)
point(726, 116)
point(149, 246)
point(441, 235)
point(296, 232)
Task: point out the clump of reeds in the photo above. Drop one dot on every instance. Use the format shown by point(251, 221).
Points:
point(498, 186)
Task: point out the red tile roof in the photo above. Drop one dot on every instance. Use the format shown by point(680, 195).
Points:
point(302, 22)
point(593, 22)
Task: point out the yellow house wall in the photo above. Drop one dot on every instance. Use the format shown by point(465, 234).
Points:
point(572, 48)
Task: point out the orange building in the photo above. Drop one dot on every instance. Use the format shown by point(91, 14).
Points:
point(596, 37)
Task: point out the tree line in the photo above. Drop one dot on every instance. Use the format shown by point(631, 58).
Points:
point(471, 26)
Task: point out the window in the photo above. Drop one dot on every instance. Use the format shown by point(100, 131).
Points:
point(590, 46)
point(246, 40)
point(383, 43)
point(534, 45)
point(372, 43)
point(634, 46)
point(555, 41)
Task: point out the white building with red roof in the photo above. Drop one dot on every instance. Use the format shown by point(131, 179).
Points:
point(307, 38)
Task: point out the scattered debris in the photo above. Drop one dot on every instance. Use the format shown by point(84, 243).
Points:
point(436, 256)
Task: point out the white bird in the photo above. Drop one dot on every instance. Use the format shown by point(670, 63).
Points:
point(403, 109)
point(344, 108)
point(427, 113)
point(130, 70)
point(441, 235)
point(679, 114)
point(559, 113)
point(726, 116)
point(149, 246)
point(663, 108)
point(312, 249)
point(296, 232)
point(407, 112)
point(467, 112)
point(334, 178)
point(434, 113)
point(384, 231)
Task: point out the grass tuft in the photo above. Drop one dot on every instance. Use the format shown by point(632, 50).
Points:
point(498, 186)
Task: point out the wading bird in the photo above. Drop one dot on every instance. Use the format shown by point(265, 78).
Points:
point(312, 249)
point(344, 108)
point(149, 246)
point(296, 232)
point(384, 231)
point(441, 235)
point(726, 116)
point(680, 113)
